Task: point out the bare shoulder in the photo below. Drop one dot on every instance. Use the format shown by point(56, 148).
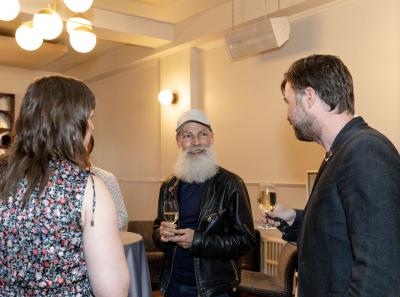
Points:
point(97, 200)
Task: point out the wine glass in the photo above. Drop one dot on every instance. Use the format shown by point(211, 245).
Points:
point(266, 201)
point(170, 210)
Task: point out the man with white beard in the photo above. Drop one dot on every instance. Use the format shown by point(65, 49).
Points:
point(215, 225)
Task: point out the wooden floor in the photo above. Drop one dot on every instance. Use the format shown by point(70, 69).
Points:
point(157, 294)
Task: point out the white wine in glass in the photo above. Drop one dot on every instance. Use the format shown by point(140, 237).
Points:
point(171, 216)
point(267, 201)
point(170, 210)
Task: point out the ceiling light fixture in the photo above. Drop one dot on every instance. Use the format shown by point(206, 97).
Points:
point(27, 38)
point(77, 21)
point(47, 24)
point(78, 6)
point(9, 9)
point(82, 39)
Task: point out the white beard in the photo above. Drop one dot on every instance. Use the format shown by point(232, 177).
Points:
point(196, 168)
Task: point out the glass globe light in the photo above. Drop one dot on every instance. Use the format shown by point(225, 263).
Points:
point(78, 5)
point(47, 23)
point(165, 97)
point(9, 9)
point(82, 39)
point(77, 21)
point(27, 38)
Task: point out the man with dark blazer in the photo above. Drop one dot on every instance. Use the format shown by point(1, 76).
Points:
point(348, 235)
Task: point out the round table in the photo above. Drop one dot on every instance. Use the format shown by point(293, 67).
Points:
point(137, 264)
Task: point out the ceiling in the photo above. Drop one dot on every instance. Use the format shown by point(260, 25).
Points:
point(114, 24)
point(129, 30)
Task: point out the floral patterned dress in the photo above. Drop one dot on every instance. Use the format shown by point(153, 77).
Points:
point(41, 245)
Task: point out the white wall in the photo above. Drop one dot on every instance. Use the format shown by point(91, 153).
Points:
point(16, 80)
point(253, 134)
point(174, 75)
point(127, 134)
point(244, 103)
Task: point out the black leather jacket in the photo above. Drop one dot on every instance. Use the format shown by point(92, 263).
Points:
point(225, 232)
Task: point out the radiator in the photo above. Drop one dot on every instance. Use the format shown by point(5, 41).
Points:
point(272, 249)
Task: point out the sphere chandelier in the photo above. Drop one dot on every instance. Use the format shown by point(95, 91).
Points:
point(81, 36)
point(82, 39)
point(9, 10)
point(27, 37)
point(78, 6)
point(48, 25)
point(77, 21)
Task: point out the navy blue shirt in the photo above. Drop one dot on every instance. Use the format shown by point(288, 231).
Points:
point(190, 196)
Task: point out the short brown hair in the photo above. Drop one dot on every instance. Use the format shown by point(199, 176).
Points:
point(328, 76)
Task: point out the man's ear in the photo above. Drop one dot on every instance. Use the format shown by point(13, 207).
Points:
point(311, 96)
point(177, 141)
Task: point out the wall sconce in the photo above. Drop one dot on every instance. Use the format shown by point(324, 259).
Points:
point(166, 97)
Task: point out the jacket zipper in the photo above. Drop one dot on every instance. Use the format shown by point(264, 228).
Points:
point(198, 229)
point(235, 270)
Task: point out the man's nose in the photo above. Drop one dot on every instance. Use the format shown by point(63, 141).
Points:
point(196, 140)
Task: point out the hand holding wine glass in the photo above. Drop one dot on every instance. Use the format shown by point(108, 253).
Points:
point(267, 201)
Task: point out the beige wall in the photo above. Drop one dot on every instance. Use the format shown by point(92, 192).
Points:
point(127, 123)
point(243, 100)
point(135, 137)
point(174, 75)
point(127, 134)
point(16, 80)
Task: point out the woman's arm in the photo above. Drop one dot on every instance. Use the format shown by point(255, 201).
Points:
point(104, 254)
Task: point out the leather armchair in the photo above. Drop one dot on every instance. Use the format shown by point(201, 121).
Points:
point(257, 284)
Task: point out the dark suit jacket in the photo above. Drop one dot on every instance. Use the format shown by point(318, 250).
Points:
point(349, 233)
